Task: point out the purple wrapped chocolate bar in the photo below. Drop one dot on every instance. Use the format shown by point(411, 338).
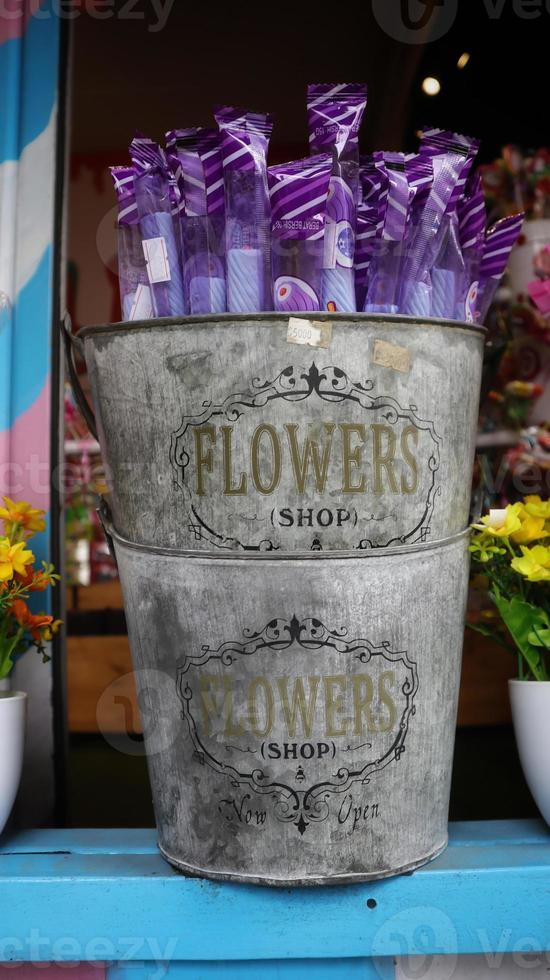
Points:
point(447, 272)
point(420, 175)
point(371, 211)
point(437, 142)
point(385, 268)
point(499, 242)
point(245, 139)
point(471, 231)
point(335, 112)
point(201, 233)
point(298, 193)
point(135, 295)
point(159, 239)
point(428, 238)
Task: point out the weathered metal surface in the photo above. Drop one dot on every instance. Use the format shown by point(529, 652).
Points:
point(220, 434)
point(298, 713)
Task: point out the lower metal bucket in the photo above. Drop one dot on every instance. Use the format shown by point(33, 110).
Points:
point(299, 714)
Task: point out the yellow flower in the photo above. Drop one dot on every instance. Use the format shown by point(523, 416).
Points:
point(536, 507)
point(531, 529)
point(535, 563)
point(501, 523)
point(13, 558)
point(22, 515)
point(49, 631)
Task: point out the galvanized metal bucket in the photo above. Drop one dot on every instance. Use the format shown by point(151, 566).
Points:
point(230, 433)
point(299, 714)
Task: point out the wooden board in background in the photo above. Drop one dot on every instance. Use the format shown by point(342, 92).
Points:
point(486, 668)
point(100, 685)
point(100, 595)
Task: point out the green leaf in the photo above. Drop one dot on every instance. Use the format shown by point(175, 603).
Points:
point(540, 638)
point(6, 666)
point(522, 620)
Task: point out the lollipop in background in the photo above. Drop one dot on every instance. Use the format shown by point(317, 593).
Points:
point(245, 140)
point(155, 202)
point(197, 154)
point(135, 295)
point(205, 278)
point(298, 194)
point(292, 295)
point(335, 112)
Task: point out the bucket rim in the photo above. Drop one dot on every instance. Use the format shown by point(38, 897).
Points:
point(98, 330)
point(286, 556)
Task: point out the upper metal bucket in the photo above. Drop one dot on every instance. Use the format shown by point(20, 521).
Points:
point(231, 433)
point(298, 713)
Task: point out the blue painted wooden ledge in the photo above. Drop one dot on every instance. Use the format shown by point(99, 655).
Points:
point(108, 895)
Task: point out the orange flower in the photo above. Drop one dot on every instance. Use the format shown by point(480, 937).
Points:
point(21, 515)
point(27, 577)
point(29, 621)
point(38, 581)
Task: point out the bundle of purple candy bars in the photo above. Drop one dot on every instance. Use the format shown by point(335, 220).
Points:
point(205, 226)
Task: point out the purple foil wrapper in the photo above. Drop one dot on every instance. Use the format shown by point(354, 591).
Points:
point(399, 195)
point(447, 275)
point(420, 174)
point(244, 141)
point(370, 223)
point(298, 194)
point(434, 142)
point(384, 273)
point(447, 272)
point(428, 238)
point(198, 155)
point(123, 180)
point(499, 242)
point(135, 296)
point(209, 145)
point(145, 153)
point(471, 229)
point(210, 152)
point(156, 224)
point(182, 144)
point(335, 112)
point(365, 245)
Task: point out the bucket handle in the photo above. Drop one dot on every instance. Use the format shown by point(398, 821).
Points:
point(70, 343)
point(105, 516)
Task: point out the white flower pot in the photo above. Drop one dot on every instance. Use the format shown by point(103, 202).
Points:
point(12, 739)
point(530, 702)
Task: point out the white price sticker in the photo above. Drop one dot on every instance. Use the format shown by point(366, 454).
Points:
point(156, 258)
point(391, 356)
point(142, 307)
point(313, 333)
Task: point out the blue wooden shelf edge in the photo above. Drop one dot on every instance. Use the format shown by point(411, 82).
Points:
point(108, 895)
